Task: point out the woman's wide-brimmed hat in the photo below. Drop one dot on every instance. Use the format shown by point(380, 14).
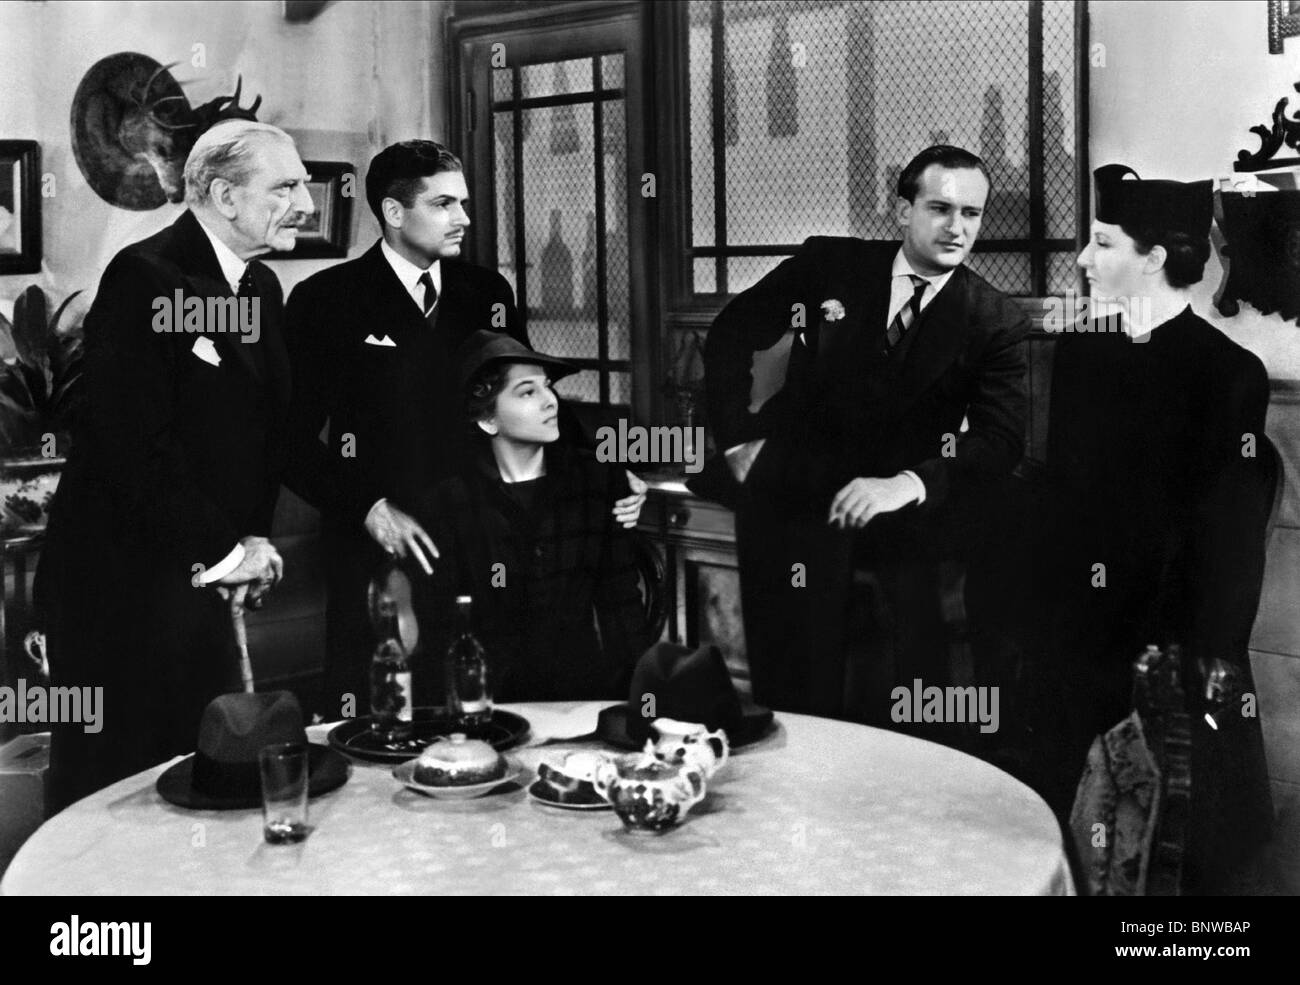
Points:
point(484, 347)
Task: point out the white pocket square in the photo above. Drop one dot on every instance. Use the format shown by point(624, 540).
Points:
point(205, 350)
point(385, 341)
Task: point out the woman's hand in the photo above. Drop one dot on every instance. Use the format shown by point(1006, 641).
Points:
point(399, 534)
point(627, 510)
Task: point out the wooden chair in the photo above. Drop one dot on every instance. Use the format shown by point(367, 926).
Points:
point(652, 579)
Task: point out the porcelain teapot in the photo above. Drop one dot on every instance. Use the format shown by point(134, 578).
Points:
point(648, 793)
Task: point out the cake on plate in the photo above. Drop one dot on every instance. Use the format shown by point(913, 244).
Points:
point(571, 780)
point(458, 761)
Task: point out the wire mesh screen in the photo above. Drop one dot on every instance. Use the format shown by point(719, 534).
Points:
point(561, 201)
point(804, 112)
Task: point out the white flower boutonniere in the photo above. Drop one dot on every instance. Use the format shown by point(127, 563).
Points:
point(832, 310)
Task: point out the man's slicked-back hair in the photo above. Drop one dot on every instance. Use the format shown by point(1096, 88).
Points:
point(944, 155)
point(398, 171)
point(225, 150)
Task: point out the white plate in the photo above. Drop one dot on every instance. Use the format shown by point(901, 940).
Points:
point(547, 801)
point(405, 773)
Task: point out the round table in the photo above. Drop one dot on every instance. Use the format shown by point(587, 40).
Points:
point(816, 807)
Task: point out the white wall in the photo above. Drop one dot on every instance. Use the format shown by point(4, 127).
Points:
point(1181, 87)
point(356, 78)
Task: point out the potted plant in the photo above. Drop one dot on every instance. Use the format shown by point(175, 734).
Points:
point(40, 397)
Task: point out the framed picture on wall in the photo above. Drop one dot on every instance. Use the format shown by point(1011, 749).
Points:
point(328, 230)
point(20, 207)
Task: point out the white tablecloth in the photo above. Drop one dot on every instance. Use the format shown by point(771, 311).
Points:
point(817, 807)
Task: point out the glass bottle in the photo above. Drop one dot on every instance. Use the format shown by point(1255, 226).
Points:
point(390, 677)
point(469, 696)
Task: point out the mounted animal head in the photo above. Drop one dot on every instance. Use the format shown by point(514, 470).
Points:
point(162, 129)
point(132, 129)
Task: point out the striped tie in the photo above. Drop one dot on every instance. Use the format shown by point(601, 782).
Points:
point(907, 314)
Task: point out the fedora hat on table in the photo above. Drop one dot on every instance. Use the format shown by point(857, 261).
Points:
point(224, 775)
point(686, 685)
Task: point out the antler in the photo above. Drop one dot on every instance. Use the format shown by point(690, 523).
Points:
point(153, 116)
point(144, 102)
point(234, 108)
point(151, 106)
point(225, 108)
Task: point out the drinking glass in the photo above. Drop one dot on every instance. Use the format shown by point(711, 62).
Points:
point(284, 792)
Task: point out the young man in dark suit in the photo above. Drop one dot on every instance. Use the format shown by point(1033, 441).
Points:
point(372, 342)
point(904, 396)
point(165, 507)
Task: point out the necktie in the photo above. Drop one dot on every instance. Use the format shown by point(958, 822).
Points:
point(430, 293)
point(247, 289)
point(907, 314)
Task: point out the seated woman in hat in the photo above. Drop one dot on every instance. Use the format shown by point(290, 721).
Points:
point(1160, 490)
point(527, 530)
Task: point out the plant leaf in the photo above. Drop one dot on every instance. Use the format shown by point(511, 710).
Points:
point(7, 350)
point(65, 357)
point(12, 407)
point(37, 381)
point(13, 384)
point(65, 404)
point(18, 425)
point(72, 332)
point(29, 330)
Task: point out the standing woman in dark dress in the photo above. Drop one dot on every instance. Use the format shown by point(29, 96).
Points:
point(1160, 491)
point(527, 528)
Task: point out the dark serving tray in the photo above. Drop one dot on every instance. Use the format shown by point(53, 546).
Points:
point(355, 738)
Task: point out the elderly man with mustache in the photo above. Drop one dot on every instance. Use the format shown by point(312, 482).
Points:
point(164, 510)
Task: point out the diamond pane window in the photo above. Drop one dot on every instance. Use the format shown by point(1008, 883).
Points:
point(803, 113)
point(562, 215)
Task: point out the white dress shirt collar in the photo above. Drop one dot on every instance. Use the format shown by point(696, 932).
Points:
point(901, 289)
point(232, 268)
point(409, 274)
point(902, 268)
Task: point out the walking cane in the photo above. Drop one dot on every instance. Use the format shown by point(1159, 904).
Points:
point(241, 640)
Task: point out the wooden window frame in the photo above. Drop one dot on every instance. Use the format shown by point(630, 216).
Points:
point(502, 22)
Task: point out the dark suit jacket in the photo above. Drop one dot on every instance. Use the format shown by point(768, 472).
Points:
point(398, 408)
point(175, 461)
point(855, 411)
point(400, 403)
point(564, 558)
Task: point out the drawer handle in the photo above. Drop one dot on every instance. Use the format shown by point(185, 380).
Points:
point(678, 518)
